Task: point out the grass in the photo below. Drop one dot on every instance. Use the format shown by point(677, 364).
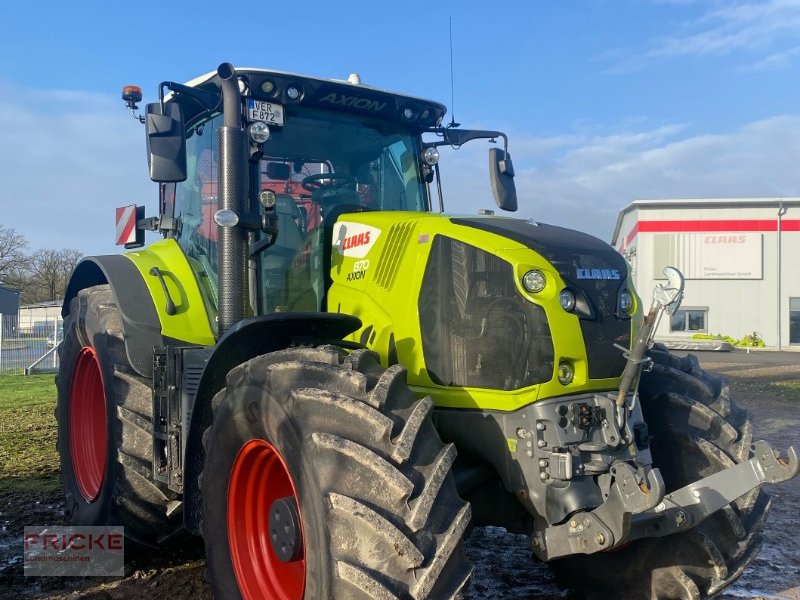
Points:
point(28, 458)
point(789, 389)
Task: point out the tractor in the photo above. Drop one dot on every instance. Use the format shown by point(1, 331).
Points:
point(331, 380)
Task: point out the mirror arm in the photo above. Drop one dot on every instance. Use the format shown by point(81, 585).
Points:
point(459, 137)
point(206, 99)
point(269, 225)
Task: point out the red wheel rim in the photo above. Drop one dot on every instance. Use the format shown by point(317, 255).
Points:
point(259, 477)
point(88, 427)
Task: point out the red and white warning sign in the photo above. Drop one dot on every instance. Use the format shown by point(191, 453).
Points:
point(126, 224)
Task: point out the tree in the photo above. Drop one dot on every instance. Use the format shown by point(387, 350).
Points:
point(13, 260)
point(49, 274)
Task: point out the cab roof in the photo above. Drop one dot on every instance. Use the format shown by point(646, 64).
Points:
point(272, 85)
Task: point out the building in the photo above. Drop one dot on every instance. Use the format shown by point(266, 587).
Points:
point(740, 258)
point(9, 301)
point(43, 318)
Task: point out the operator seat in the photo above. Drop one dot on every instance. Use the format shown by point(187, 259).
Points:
point(279, 256)
point(289, 234)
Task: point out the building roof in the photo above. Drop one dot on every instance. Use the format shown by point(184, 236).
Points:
point(701, 203)
point(48, 304)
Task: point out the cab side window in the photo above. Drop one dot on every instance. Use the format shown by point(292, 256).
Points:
point(196, 201)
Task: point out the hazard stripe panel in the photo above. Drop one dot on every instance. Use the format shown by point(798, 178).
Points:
point(126, 224)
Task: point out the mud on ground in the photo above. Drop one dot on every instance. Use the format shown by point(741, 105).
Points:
point(503, 568)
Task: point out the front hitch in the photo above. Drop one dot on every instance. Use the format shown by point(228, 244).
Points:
point(634, 512)
point(626, 495)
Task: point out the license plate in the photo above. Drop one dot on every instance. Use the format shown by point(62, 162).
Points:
point(268, 112)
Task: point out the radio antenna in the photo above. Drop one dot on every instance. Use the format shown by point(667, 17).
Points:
point(452, 86)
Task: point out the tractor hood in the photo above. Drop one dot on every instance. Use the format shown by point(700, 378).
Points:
point(591, 268)
point(570, 252)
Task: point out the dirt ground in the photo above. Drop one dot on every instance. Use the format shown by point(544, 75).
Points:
point(503, 569)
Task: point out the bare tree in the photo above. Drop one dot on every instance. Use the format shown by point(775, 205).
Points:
point(13, 260)
point(50, 271)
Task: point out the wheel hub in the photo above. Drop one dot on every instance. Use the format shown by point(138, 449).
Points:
point(284, 529)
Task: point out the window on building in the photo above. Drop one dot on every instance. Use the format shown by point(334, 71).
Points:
point(689, 319)
point(794, 320)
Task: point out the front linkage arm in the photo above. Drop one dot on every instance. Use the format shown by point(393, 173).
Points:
point(694, 503)
point(633, 511)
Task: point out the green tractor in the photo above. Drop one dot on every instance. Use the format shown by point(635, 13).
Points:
point(331, 382)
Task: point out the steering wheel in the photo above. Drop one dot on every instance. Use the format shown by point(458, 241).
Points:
point(334, 181)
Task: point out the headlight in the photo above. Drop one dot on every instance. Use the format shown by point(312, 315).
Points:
point(565, 373)
point(293, 92)
point(258, 132)
point(567, 299)
point(533, 281)
point(267, 198)
point(408, 114)
point(430, 156)
point(626, 301)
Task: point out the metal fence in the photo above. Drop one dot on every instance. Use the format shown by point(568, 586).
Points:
point(29, 345)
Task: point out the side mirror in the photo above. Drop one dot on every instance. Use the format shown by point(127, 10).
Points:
point(166, 143)
point(501, 173)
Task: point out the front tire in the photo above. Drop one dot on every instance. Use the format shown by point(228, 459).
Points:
point(376, 514)
point(104, 415)
point(696, 430)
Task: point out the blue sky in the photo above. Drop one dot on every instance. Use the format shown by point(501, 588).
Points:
point(605, 102)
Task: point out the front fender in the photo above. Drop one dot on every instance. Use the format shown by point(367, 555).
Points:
point(247, 339)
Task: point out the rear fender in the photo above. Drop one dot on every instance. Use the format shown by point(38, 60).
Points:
point(158, 297)
point(140, 321)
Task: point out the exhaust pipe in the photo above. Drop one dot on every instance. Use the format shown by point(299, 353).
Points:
point(232, 241)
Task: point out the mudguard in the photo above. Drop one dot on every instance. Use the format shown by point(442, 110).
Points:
point(139, 316)
point(247, 339)
point(144, 283)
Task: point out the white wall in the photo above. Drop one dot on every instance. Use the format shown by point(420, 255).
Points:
point(735, 307)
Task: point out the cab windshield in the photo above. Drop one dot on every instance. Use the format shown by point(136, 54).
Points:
point(322, 165)
point(319, 165)
point(377, 160)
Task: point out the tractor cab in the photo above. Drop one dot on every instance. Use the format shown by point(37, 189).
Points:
point(315, 150)
point(317, 165)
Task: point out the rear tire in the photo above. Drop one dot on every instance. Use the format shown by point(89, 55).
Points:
point(104, 415)
point(696, 430)
point(379, 516)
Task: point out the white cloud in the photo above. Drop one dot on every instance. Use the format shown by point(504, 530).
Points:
point(775, 61)
point(69, 159)
point(757, 28)
point(588, 178)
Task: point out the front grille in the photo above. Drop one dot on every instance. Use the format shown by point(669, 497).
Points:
point(606, 329)
point(477, 330)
